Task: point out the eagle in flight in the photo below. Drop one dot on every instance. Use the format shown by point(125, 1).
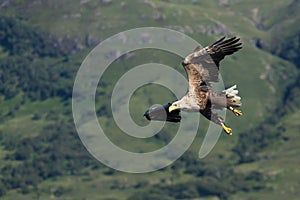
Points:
point(202, 68)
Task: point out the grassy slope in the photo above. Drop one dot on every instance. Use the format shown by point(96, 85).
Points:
point(101, 21)
point(280, 164)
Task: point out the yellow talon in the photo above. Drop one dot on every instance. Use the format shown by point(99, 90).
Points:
point(227, 129)
point(237, 112)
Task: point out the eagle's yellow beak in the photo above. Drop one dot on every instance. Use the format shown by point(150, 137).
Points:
point(173, 107)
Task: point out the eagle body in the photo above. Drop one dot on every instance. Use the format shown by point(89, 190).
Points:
point(202, 68)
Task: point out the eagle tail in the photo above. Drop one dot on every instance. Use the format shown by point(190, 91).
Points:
point(231, 93)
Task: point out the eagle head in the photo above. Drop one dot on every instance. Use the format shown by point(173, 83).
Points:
point(184, 104)
point(174, 106)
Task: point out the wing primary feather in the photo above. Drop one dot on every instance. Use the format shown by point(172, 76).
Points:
point(221, 43)
point(218, 41)
point(228, 43)
point(231, 49)
point(231, 45)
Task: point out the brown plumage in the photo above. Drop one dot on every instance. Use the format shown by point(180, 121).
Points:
point(202, 68)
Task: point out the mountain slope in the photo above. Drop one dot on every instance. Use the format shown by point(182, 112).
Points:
point(41, 152)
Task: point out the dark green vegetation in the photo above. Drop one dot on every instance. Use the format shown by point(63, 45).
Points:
point(42, 44)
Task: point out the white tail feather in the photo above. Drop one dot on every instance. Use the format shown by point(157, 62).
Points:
point(232, 93)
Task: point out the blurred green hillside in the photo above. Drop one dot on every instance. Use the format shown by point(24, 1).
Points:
point(42, 45)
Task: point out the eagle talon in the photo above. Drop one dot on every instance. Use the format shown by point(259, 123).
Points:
point(237, 112)
point(227, 129)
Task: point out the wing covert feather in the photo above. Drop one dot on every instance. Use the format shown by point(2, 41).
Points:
point(202, 66)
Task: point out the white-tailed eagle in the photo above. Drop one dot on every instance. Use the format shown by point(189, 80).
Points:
point(202, 68)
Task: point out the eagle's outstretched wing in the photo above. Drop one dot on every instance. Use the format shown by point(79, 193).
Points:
point(202, 66)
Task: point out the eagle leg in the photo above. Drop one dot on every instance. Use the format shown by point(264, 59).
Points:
point(226, 129)
point(235, 111)
point(216, 119)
